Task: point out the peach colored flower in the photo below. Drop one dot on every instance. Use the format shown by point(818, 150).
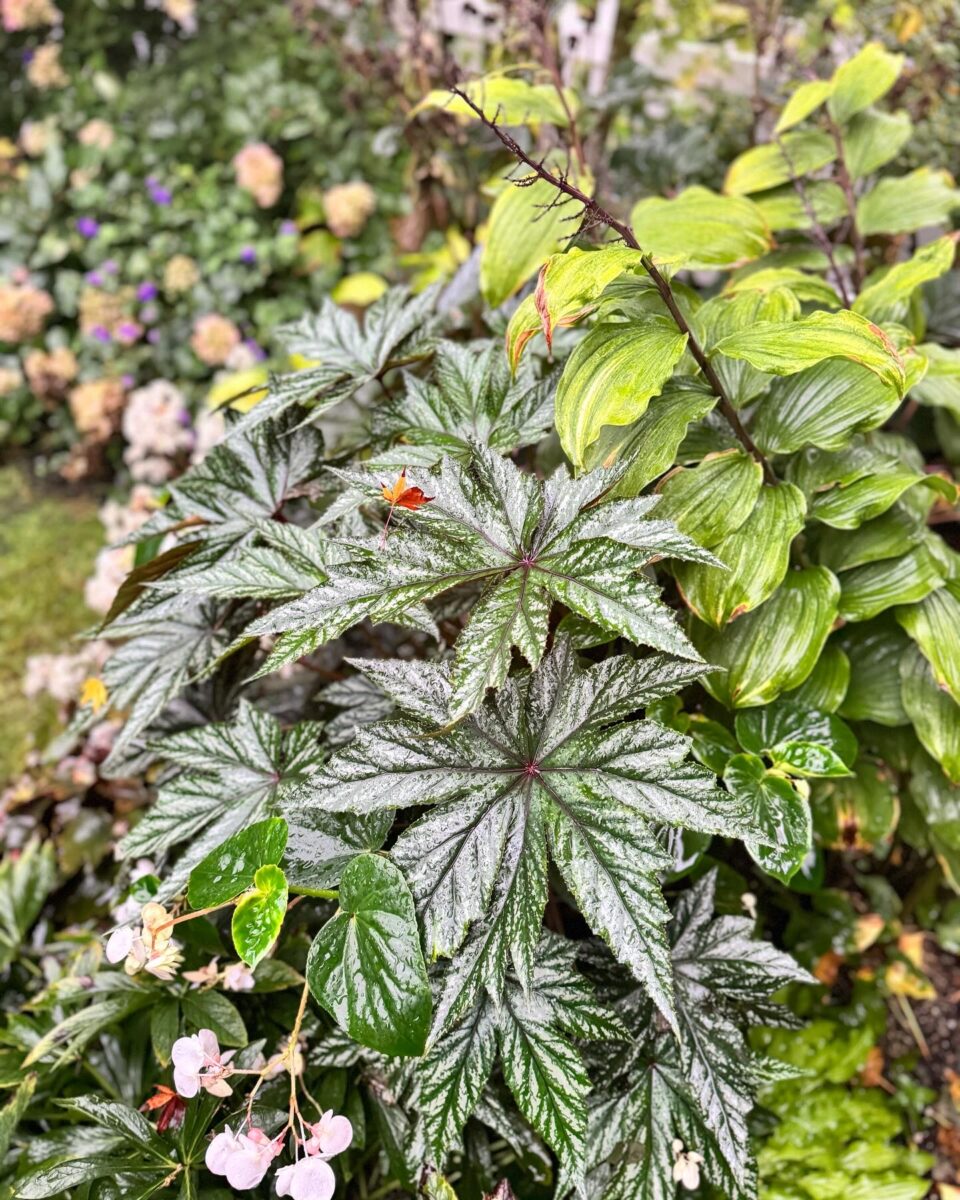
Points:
point(213, 338)
point(347, 207)
point(184, 12)
point(180, 274)
point(259, 171)
point(96, 133)
point(34, 137)
point(44, 70)
point(23, 310)
point(28, 14)
point(96, 407)
point(49, 372)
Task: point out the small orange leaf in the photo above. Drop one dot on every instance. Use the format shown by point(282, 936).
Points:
point(94, 693)
point(400, 495)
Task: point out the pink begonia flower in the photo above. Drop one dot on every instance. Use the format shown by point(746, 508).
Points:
point(197, 1062)
point(203, 976)
point(332, 1134)
point(243, 1157)
point(237, 977)
point(148, 948)
point(308, 1179)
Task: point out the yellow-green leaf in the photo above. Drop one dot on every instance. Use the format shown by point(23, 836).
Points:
point(527, 224)
point(906, 203)
point(506, 99)
point(610, 378)
point(756, 556)
point(862, 79)
point(806, 99)
point(785, 347)
point(699, 228)
point(768, 166)
point(774, 648)
point(711, 500)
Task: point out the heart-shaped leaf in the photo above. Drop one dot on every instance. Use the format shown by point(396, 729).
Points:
point(259, 915)
point(229, 870)
point(365, 965)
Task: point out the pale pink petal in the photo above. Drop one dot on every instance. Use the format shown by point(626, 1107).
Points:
point(187, 1053)
point(119, 943)
point(248, 1166)
point(312, 1180)
point(216, 1085)
point(334, 1134)
point(187, 1083)
point(219, 1152)
point(209, 1044)
point(284, 1180)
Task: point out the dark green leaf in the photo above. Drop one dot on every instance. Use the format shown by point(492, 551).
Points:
point(365, 965)
point(229, 870)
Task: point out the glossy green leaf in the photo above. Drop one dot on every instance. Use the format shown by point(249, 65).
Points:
point(780, 813)
point(873, 694)
point(802, 284)
point(213, 1010)
point(755, 557)
point(258, 917)
point(526, 225)
point(774, 648)
point(890, 535)
point(568, 287)
point(863, 79)
point(938, 800)
point(767, 166)
point(905, 203)
point(698, 229)
point(934, 624)
point(804, 100)
point(940, 386)
point(887, 293)
point(869, 590)
point(934, 713)
point(610, 378)
point(826, 685)
point(650, 445)
point(229, 869)
point(365, 965)
point(711, 501)
point(828, 405)
point(731, 315)
point(783, 348)
point(872, 139)
point(797, 739)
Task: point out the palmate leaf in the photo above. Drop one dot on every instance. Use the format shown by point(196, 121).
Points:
point(700, 1088)
point(548, 764)
point(469, 397)
point(232, 775)
point(528, 543)
point(345, 355)
point(165, 649)
point(241, 483)
point(532, 1028)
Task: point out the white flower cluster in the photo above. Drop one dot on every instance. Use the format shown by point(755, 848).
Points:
point(156, 425)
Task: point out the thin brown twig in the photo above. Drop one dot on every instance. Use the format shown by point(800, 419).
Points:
point(599, 214)
point(816, 229)
point(846, 186)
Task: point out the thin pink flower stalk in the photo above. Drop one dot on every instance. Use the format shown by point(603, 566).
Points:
point(244, 1157)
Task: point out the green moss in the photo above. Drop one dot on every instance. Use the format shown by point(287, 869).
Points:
point(48, 542)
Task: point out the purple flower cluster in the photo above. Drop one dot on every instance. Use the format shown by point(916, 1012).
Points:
point(157, 192)
point(87, 227)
